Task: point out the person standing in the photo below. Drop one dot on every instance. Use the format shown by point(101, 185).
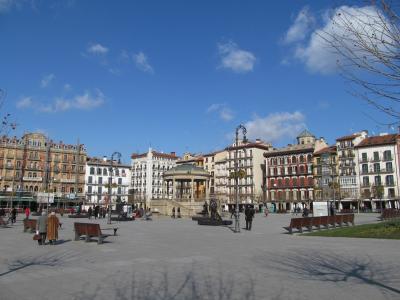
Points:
point(27, 212)
point(96, 212)
point(179, 212)
point(332, 209)
point(173, 212)
point(52, 228)
point(249, 215)
point(13, 215)
point(42, 228)
point(90, 212)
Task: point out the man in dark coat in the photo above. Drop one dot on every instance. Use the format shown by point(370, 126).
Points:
point(249, 215)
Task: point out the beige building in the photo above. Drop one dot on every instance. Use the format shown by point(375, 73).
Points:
point(33, 164)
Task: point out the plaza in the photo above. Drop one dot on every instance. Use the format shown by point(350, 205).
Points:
point(178, 259)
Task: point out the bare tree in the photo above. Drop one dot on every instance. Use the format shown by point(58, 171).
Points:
point(366, 41)
point(6, 123)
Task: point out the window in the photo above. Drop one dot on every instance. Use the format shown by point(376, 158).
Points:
point(119, 190)
point(378, 180)
point(301, 158)
point(364, 157)
point(91, 171)
point(389, 167)
point(302, 181)
point(389, 180)
point(116, 172)
point(98, 171)
point(387, 155)
point(89, 189)
point(294, 160)
point(64, 168)
point(287, 182)
point(376, 156)
point(365, 181)
point(90, 178)
point(365, 168)
point(100, 180)
point(119, 180)
point(377, 168)
point(99, 190)
point(104, 171)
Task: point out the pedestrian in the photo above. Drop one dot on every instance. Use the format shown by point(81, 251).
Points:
point(179, 212)
point(266, 211)
point(52, 228)
point(233, 210)
point(249, 215)
point(13, 215)
point(173, 213)
point(90, 212)
point(42, 228)
point(104, 212)
point(332, 209)
point(27, 212)
point(305, 212)
point(96, 211)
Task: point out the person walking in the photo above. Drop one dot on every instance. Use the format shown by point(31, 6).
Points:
point(13, 215)
point(173, 212)
point(179, 212)
point(90, 211)
point(52, 228)
point(42, 228)
point(249, 215)
point(332, 209)
point(27, 212)
point(96, 212)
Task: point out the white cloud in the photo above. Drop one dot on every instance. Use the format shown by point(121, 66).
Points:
point(224, 112)
point(276, 126)
point(46, 80)
point(25, 102)
point(302, 25)
point(318, 56)
point(84, 101)
point(7, 5)
point(67, 87)
point(235, 59)
point(142, 63)
point(97, 49)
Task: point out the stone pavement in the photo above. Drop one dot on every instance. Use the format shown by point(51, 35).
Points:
point(177, 259)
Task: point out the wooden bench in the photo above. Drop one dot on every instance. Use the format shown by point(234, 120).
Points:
point(296, 223)
point(390, 213)
point(317, 222)
point(30, 224)
point(89, 230)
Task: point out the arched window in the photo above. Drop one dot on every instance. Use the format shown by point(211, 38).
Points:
point(36, 189)
point(294, 160)
point(309, 158)
point(105, 171)
point(301, 169)
point(98, 171)
point(116, 172)
point(301, 158)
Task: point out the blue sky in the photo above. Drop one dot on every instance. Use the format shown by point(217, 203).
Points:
point(177, 75)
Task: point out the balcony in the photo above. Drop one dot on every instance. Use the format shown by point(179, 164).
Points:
point(65, 180)
point(380, 171)
point(32, 178)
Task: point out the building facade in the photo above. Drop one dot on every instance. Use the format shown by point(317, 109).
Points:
point(379, 171)
point(289, 176)
point(97, 180)
point(251, 163)
point(325, 170)
point(349, 167)
point(33, 165)
point(147, 174)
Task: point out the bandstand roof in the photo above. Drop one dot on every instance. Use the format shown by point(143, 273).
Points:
point(186, 169)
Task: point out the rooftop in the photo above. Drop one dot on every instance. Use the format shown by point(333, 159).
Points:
point(388, 139)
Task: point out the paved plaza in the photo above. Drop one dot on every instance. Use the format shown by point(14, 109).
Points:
point(178, 259)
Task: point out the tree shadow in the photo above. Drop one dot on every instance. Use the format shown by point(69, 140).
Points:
point(53, 260)
point(192, 283)
point(330, 267)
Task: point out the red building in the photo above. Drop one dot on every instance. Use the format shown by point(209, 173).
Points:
point(289, 173)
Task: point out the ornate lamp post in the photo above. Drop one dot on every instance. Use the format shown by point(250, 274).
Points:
point(237, 216)
point(118, 155)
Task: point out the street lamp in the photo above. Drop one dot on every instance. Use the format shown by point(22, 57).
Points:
point(244, 131)
point(118, 155)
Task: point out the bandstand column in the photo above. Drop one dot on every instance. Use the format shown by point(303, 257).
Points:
point(192, 190)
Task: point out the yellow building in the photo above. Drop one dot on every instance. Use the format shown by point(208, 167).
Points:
point(33, 164)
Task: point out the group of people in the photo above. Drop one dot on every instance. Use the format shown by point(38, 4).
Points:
point(12, 216)
point(47, 228)
point(97, 212)
point(176, 213)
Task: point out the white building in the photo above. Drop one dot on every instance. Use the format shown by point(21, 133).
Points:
point(251, 160)
point(348, 166)
point(211, 162)
point(97, 180)
point(379, 171)
point(147, 174)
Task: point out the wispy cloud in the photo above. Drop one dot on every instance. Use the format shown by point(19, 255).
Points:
point(301, 26)
point(84, 101)
point(67, 87)
point(142, 62)
point(276, 127)
point(25, 102)
point(235, 59)
point(224, 112)
point(97, 49)
point(8, 5)
point(46, 80)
